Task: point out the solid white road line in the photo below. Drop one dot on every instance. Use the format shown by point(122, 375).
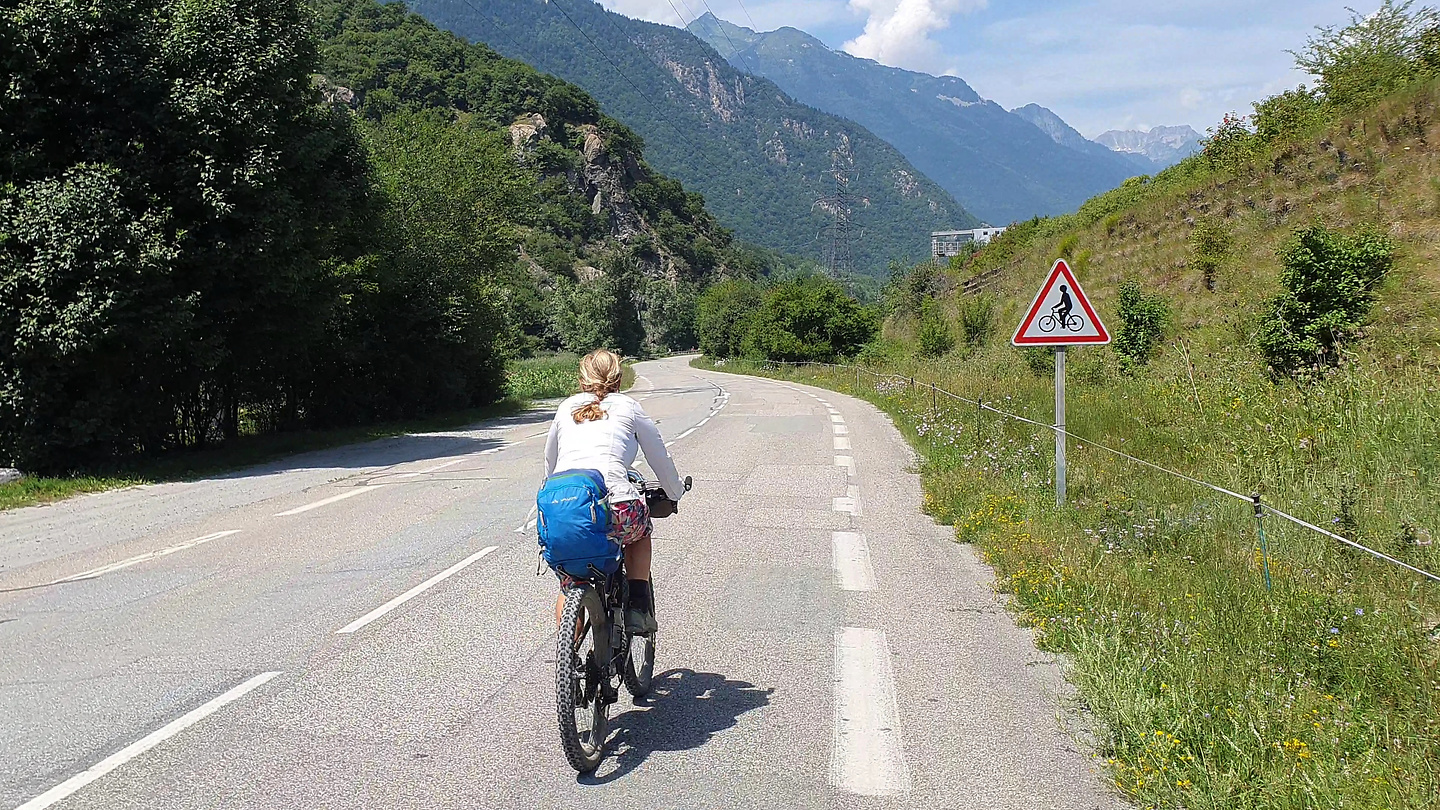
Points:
point(848, 462)
point(332, 499)
point(414, 592)
point(116, 566)
point(868, 757)
point(842, 443)
point(135, 749)
point(853, 571)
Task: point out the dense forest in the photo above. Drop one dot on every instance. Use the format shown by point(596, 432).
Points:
point(220, 218)
point(762, 159)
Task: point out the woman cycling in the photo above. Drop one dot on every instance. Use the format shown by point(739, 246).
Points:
point(602, 429)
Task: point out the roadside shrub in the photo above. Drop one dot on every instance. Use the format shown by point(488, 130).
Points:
point(977, 319)
point(1143, 319)
point(809, 319)
point(1040, 361)
point(1329, 281)
point(1066, 248)
point(1289, 116)
point(1209, 245)
point(723, 315)
point(1231, 144)
point(935, 336)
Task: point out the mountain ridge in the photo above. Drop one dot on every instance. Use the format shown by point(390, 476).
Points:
point(999, 165)
point(1160, 147)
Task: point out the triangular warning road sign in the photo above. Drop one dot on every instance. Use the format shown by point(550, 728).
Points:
point(1061, 314)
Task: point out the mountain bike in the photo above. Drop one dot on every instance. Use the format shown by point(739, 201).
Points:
point(594, 653)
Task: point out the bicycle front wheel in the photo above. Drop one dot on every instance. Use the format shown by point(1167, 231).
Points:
point(580, 703)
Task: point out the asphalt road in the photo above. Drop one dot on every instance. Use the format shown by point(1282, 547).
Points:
point(364, 627)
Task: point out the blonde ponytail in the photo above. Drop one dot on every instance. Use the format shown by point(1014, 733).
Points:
point(600, 373)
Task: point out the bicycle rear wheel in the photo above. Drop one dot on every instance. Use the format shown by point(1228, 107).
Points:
point(640, 659)
point(580, 705)
point(640, 665)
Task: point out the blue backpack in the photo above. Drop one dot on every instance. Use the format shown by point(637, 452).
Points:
point(574, 524)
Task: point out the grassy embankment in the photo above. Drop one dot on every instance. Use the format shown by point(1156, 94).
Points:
point(530, 380)
point(1208, 690)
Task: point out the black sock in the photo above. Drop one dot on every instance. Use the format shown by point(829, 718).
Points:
point(640, 594)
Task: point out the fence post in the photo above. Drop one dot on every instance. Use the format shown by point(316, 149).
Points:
point(857, 380)
point(934, 402)
point(1264, 544)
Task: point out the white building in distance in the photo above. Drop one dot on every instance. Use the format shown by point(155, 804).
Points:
point(944, 244)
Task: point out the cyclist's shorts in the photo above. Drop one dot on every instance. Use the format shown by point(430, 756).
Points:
point(630, 521)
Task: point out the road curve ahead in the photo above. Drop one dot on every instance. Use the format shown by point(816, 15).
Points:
point(365, 627)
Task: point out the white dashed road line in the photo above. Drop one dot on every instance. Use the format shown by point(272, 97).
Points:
point(868, 756)
point(136, 560)
point(848, 462)
point(414, 592)
point(332, 499)
point(842, 443)
point(851, 555)
point(149, 741)
point(840, 430)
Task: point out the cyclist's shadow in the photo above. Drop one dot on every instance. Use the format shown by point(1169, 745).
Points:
point(684, 710)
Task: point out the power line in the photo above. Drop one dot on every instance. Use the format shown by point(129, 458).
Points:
point(721, 25)
point(678, 15)
point(753, 26)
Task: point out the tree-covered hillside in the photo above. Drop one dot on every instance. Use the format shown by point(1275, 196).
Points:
point(762, 159)
point(220, 219)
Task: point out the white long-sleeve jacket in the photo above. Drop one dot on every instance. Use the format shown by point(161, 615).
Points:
point(610, 445)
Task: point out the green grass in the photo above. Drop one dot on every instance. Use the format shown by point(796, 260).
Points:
point(553, 376)
point(1207, 690)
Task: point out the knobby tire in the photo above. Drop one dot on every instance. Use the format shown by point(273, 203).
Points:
point(576, 684)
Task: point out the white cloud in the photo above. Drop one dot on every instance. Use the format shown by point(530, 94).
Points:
point(897, 32)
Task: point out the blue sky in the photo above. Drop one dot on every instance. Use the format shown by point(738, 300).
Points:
point(1105, 64)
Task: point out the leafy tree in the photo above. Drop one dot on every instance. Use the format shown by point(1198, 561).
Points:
point(809, 319)
point(1329, 281)
point(1375, 54)
point(205, 113)
point(92, 321)
point(723, 315)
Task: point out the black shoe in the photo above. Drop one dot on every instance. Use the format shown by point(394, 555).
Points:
point(639, 621)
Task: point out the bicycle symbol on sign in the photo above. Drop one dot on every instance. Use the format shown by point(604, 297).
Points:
point(1061, 316)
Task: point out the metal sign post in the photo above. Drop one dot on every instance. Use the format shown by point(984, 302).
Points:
point(1060, 437)
point(1061, 316)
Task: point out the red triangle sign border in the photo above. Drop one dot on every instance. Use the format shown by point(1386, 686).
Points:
point(1060, 270)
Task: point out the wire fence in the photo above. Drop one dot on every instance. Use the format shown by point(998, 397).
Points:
point(1262, 509)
